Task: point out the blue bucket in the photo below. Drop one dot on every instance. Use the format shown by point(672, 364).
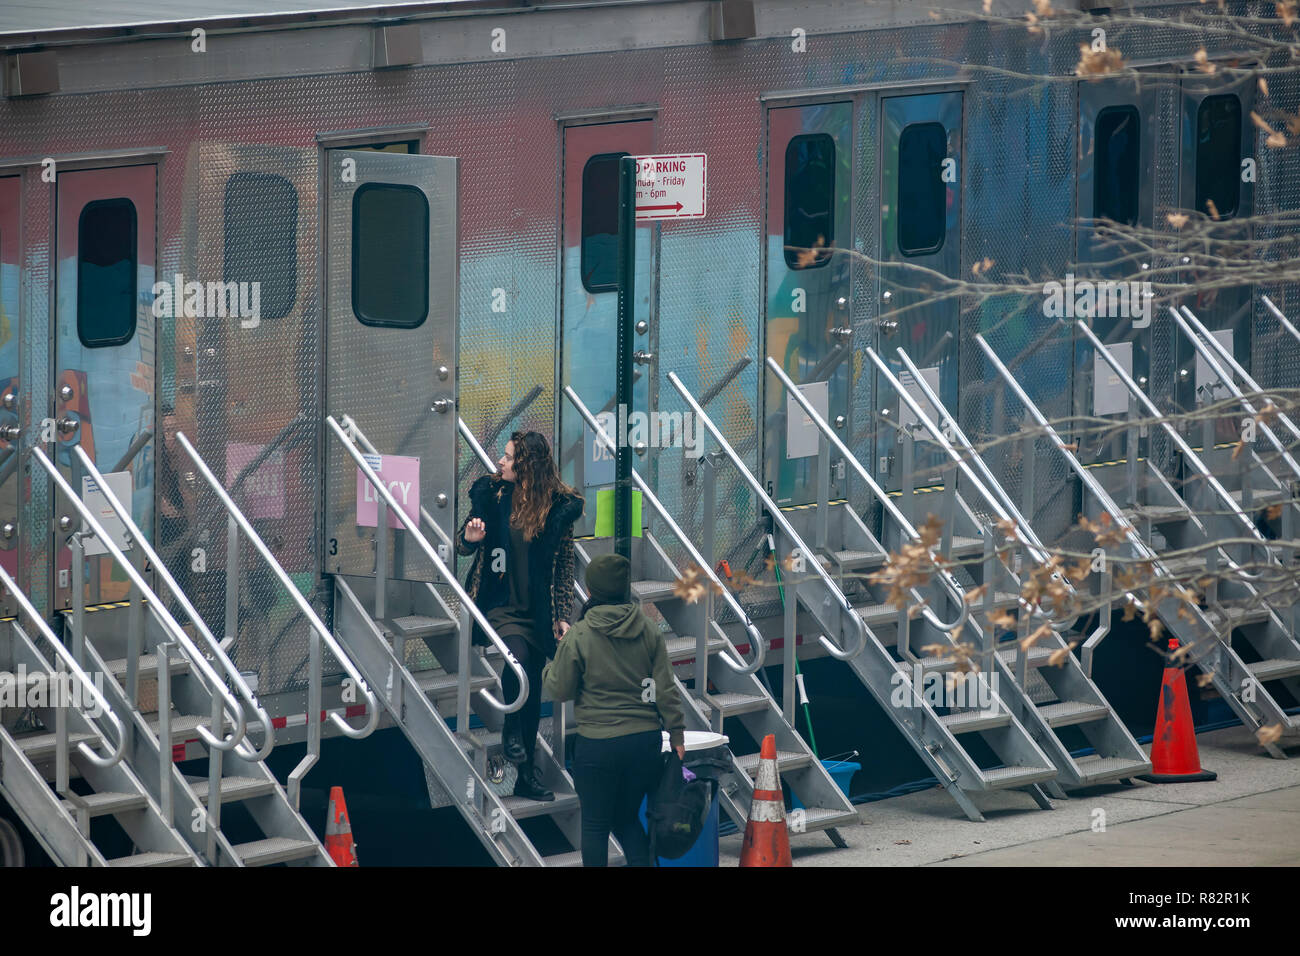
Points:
point(841, 772)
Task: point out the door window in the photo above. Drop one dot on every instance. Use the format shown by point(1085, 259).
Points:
point(106, 272)
point(809, 201)
point(390, 255)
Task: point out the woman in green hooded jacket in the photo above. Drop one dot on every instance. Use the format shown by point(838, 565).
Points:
point(614, 665)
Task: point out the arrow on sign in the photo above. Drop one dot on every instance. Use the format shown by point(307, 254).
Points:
point(676, 207)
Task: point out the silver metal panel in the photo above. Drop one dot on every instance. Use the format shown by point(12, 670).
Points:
point(384, 378)
point(10, 358)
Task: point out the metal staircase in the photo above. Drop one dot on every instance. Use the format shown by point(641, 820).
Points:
point(1182, 542)
point(1058, 688)
point(376, 616)
point(187, 701)
point(887, 662)
point(722, 688)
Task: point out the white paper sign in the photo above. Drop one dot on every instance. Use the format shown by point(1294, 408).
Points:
point(1109, 396)
point(905, 415)
point(801, 435)
point(670, 187)
point(119, 482)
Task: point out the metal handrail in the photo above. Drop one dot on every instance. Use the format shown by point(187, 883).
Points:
point(1223, 353)
point(304, 607)
point(140, 441)
point(196, 657)
point(992, 491)
point(1277, 314)
point(755, 636)
point(775, 511)
point(66, 656)
point(467, 433)
point(1183, 446)
point(432, 554)
point(954, 590)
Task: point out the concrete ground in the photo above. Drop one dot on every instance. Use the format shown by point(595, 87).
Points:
point(1250, 816)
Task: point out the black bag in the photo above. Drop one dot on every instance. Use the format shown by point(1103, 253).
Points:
point(676, 811)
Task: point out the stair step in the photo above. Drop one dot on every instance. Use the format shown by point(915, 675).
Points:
point(234, 788)
point(522, 808)
point(1067, 712)
point(102, 804)
point(441, 686)
point(1006, 778)
point(1260, 496)
point(1237, 616)
point(1095, 768)
point(183, 725)
point(43, 744)
point(148, 666)
point(1159, 514)
point(683, 648)
point(874, 615)
point(650, 591)
point(822, 818)
point(731, 704)
point(1182, 567)
point(417, 625)
point(275, 850)
point(574, 858)
point(964, 545)
point(1038, 655)
point(972, 721)
point(785, 760)
point(153, 859)
point(1274, 668)
point(853, 560)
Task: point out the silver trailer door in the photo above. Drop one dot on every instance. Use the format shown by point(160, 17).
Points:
point(390, 350)
point(103, 394)
point(808, 291)
point(10, 193)
point(921, 167)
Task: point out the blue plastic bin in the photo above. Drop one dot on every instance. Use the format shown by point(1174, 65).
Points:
point(841, 772)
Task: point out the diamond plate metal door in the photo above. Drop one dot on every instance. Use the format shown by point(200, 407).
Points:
point(1216, 183)
point(1115, 189)
point(589, 298)
point(390, 351)
point(10, 394)
point(104, 347)
point(808, 293)
point(920, 234)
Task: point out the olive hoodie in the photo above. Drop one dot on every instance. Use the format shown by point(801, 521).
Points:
point(614, 665)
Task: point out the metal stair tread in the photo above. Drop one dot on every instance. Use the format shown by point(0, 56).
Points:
point(234, 788)
point(418, 625)
point(108, 801)
point(785, 760)
point(1066, 712)
point(859, 559)
point(962, 544)
point(275, 850)
point(1184, 565)
point(439, 684)
point(651, 591)
point(153, 858)
point(999, 778)
point(1274, 668)
point(682, 648)
point(973, 721)
point(1095, 767)
point(574, 858)
point(1238, 616)
point(521, 808)
point(1038, 654)
point(45, 743)
point(181, 724)
point(821, 818)
point(735, 703)
point(1260, 495)
point(148, 666)
point(1158, 514)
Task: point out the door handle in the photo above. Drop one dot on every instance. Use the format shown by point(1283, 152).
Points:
point(10, 433)
point(66, 426)
point(641, 357)
point(442, 406)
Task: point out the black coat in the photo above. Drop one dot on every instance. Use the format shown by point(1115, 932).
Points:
point(550, 560)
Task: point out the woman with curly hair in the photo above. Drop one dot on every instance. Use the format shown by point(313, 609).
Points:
point(520, 531)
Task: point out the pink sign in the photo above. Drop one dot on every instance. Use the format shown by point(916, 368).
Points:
point(263, 492)
point(401, 476)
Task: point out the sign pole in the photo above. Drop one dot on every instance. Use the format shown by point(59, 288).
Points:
point(623, 375)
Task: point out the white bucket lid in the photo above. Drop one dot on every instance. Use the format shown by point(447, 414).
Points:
point(700, 740)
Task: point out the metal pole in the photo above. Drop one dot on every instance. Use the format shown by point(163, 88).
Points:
point(623, 374)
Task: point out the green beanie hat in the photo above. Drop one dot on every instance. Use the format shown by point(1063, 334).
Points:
point(609, 579)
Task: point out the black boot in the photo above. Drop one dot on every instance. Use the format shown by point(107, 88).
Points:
point(512, 743)
point(529, 784)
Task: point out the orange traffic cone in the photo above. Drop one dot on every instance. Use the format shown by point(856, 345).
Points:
point(338, 831)
point(767, 843)
point(1174, 758)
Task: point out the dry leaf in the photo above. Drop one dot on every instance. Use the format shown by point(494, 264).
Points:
point(1035, 637)
point(1285, 10)
point(1268, 735)
point(1204, 680)
point(1096, 62)
point(988, 7)
point(1275, 141)
point(1203, 61)
point(1263, 87)
point(1061, 655)
point(975, 594)
point(1177, 219)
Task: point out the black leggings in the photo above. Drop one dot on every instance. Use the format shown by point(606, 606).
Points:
point(612, 777)
point(526, 719)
